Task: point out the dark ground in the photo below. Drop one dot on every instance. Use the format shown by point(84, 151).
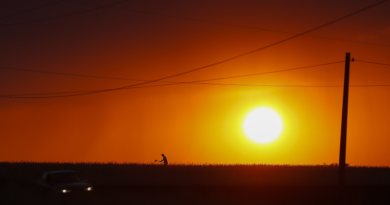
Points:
point(29, 194)
point(199, 184)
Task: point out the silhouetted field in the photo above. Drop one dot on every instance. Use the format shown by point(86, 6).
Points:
point(199, 184)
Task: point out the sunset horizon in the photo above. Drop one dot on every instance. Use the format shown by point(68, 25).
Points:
point(125, 81)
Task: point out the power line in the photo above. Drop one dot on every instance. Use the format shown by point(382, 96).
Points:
point(224, 84)
point(69, 74)
point(380, 85)
point(373, 62)
point(232, 58)
point(32, 9)
point(198, 82)
point(225, 24)
point(62, 16)
point(229, 59)
point(163, 15)
point(132, 79)
point(352, 41)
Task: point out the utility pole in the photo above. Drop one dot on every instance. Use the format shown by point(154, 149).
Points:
point(343, 139)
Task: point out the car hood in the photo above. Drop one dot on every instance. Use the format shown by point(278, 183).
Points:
point(72, 185)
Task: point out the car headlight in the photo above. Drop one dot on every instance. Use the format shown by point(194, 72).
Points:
point(65, 191)
point(89, 189)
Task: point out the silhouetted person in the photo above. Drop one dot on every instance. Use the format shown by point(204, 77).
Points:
point(164, 159)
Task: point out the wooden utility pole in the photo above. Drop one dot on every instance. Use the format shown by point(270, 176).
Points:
point(343, 139)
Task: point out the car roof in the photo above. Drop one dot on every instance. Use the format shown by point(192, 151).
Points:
point(61, 171)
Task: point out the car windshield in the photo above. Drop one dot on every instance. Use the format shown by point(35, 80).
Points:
point(65, 177)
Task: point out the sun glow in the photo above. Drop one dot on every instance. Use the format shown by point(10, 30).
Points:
point(263, 125)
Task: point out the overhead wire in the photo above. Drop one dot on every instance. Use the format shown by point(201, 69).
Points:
point(199, 82)
point(241, 85)
point(158, 14)
point(68, 74)
point(372, 62)
point(133, 79)
point(228, 59)
point(220, 62)
point(181, 82)
point(223, 24)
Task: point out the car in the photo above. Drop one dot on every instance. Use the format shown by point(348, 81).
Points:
point(64, 182)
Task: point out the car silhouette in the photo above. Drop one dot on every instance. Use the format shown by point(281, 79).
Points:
point(66, 181)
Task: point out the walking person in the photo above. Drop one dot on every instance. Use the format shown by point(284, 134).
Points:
point(164, 159)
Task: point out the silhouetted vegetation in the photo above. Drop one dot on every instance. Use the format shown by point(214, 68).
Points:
point(198, 183)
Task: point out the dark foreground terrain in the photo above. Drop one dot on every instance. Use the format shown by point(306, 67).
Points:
point(199, 184)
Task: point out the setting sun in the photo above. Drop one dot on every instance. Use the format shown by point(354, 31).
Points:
point(263, 125)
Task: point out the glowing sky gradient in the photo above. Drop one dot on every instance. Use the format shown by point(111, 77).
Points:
point(192, 123)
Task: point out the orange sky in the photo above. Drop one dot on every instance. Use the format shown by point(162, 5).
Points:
point(192, 123)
